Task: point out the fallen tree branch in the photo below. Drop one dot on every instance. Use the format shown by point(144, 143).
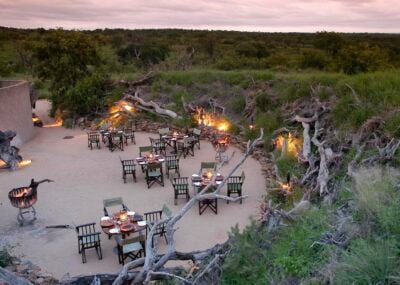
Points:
point(150, 105)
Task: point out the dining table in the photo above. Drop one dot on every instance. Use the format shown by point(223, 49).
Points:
point(122, 223)
point(149, 159)
point(203, 180)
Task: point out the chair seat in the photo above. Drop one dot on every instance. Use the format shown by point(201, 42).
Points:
point(132, 247)
point(91, 239)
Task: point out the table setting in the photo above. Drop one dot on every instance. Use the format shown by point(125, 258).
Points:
point(122, 222)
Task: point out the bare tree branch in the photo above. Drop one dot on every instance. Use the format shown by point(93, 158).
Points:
point(151, 263)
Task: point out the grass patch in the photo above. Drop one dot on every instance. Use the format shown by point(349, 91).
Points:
point(368, 262)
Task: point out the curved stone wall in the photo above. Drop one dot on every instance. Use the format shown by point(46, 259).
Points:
point(16, 110)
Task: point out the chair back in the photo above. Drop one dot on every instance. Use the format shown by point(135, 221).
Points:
point(128, 131)
point(163, 131)
point(180, 183)
point(128, 164)
point(188, 141)
point(117, 136)
point(235, 183)
point(152, 217)
point(85, 229)
point(207, 165)
point(171, 161)
point(111, 202)
point(130, 125)
point(93, 136)
point(166, 211)
point(144, 149)
point(196, 132)
point(152, 167)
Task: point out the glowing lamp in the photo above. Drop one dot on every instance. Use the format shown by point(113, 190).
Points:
point(123, 216)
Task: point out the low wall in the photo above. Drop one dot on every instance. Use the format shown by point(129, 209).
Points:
point(16, 110)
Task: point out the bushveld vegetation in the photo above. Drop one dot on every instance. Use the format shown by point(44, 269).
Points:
point(355, 74)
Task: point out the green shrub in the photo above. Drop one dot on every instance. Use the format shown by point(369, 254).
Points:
point(378, 200)
point(5, 257)
point(368, 262)
point(293, 253)
point(392, 124)
point(248, 260)
point(269, 121)
point(237, 103)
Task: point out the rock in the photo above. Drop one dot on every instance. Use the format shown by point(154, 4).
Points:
point(39, 281)
point(44, 274)
point(21, 268)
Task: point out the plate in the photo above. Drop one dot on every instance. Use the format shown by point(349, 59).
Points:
point(197, 183)
point(127, 227)
point(106, 218)
point(107, 223)
point(161, 159)
point(141, 223)
point(131, 213)
point(114, 231)
point(195, 175)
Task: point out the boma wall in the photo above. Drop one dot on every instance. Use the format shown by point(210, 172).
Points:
point(16, 109)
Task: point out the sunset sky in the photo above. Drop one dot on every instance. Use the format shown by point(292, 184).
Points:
point(243, 15)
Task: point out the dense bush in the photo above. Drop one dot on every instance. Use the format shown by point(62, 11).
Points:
point(314, 59)
point(355, 59)
point(87, 96)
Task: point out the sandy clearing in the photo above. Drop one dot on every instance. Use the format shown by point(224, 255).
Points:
point(83, 178)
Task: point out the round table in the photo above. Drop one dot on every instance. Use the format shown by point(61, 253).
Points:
point(114, 226)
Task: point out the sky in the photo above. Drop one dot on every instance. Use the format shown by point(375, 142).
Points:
point(241, 15)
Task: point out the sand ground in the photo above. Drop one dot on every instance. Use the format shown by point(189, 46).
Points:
point(83, 178)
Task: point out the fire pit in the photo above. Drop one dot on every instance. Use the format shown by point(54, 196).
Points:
point(24, 198)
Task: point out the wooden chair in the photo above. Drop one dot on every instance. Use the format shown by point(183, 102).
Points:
point(129, 133)
point(158, 146)
point(93, 138)
point(88, 238)
point(172, 162)
point(163, 132)
point(207, 166)
point(128, 167)
point(186, 147)
point(181, 187)
point(133, 247)
point(154, 173)
point(234, 185)
point(208, 203)
point(155, 216)
point(196, 137)
point(116, 141)
point(221, 152)
point(113, 202)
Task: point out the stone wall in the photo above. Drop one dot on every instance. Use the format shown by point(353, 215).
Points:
point(15, 110)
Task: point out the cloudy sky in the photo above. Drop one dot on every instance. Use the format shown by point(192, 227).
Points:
point(243, 15)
